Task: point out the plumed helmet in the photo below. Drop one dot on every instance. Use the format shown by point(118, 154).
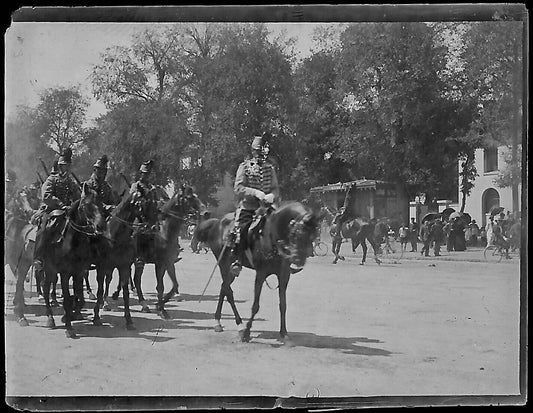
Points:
point(65, 157)
point(55, 167)
point(146, 167)
point(11, 176)
point(257, 142)
point(102, 162)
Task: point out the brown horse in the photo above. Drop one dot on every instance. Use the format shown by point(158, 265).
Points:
point(282, 248)
point(163, 246)
point(69, 255)
point(358, 231)
point(116, 249)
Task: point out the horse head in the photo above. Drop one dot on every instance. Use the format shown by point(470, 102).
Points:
point(296, 229)
point(87, 212)
point(181, 204)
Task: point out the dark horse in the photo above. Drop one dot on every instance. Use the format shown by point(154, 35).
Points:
point(164, 250)
point(19, 256)
point(282, 248)
point(358, 231)
point(116, 249)
point(69, 254)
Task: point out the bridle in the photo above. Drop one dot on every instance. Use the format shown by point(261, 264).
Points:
point(297, 229)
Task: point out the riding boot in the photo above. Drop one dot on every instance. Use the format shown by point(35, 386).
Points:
point(236, 260)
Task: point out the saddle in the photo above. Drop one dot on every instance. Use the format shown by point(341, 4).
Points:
point(55, 224)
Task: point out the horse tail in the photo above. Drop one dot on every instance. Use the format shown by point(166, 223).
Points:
point(205, 228)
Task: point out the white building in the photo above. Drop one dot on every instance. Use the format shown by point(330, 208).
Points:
point(485, 194)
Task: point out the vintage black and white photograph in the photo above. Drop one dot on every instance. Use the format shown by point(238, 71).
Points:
point(265, 206)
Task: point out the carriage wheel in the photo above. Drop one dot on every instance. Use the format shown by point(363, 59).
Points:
point(493, 254)
point(321, 248)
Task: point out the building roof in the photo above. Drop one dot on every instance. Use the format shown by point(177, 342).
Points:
point(360, 184)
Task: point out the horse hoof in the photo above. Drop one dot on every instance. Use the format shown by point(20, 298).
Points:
point(341, 258)
point(106, 307)
point(130, 327)
point(179, 298)
point(287, 341)
point(245, 336)
point(115, 296)
point(23, 322)
point(97, 322)
point(70, 333)
point(54, 303)
point(219, 328)
point(50, 323)
point(91, 296)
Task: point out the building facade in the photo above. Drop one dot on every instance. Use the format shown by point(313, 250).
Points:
point(486, 194)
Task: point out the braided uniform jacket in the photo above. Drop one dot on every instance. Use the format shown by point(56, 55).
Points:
point(102, 188)
point(147, 191)
point(251, 175)
point(59, 191)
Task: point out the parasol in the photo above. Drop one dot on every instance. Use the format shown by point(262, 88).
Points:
point(430, 216)
point(446, 213)
point(455, 215)
point(496, 210)
point(466, 218)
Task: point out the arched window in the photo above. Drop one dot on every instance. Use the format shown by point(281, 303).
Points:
point(490, 198)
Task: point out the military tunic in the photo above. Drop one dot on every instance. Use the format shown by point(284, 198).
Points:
point(59, 191)
point(252, 176)
point(147, 191)
point(102, 189)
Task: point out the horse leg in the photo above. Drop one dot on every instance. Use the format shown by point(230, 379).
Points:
point(283, 282)
point(124, 276)
point(67, 305)
point(160, 288)
point(139, 268)
point(171, 271)
point(18, 301)
point(78, 298)
point(88, 286)
point(335, 247)
point(376, 249)
point(100, 275)
point(108, 278)
point(46, 285)
point(53, 293)
point(258, 286)
point(365, 249)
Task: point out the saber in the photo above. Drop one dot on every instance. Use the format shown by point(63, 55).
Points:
point(76, 178)
point(212, 272)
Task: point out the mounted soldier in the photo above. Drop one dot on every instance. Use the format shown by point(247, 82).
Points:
point(59, 192)
point(98, 183)
point(255, 182)
point(144, 235)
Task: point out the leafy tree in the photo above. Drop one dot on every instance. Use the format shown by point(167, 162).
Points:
point(63, 111)
point(400, 121)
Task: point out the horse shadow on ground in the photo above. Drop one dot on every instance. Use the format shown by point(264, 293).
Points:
point(147, 325)
point(348, 345)
point(199, 297)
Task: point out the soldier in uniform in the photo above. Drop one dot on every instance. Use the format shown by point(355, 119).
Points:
point(255, 181)
point(98, 183)
point(14, 205)
point(143, 238)
point(59, 191)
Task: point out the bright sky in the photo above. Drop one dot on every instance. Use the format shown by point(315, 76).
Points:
point(46, 55)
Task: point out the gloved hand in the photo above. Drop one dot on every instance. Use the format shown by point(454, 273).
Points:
point(259, 194)
point(269, 198)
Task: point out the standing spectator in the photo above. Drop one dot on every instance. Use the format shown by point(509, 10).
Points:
point(413, 231)
point(483, 237)
point(450, 242)
point(488, 230)
point(424, 237)
point(468, 235)
point(403, 234)
point(474, 230)
point(458, 233)
point(436, 234)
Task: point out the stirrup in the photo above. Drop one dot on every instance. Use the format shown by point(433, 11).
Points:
point(235, 268)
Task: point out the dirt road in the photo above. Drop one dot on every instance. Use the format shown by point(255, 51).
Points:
point(414, 327)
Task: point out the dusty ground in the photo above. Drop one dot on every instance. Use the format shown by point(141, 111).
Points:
point(447, 326)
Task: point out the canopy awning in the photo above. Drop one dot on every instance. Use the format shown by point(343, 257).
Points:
point(360, 185)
